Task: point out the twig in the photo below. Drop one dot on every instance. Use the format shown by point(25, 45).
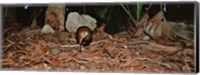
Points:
point(117, 56)
point(181, 49)
point(53, 44)
point(97, 42)
point(79, 61)
point(153, 61)
point(138, 42)
point(108, 53)
point(76, 45)
point(32, 31)
point(89, 60)
point(7, 30)
point(10, 45)
point(5, 50)
point(175, 52)
point(149, 7)
point(10, 41)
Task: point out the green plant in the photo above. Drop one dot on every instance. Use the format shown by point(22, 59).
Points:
point(138, 10)
point(128, 11)
point(133, 9)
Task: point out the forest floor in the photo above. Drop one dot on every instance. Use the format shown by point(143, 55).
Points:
point(30, 50)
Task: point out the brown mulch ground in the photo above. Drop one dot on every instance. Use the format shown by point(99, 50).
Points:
point(31, 50)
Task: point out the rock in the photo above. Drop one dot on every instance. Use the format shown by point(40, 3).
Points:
point(75, 20)
point(47, 29)
point(55, 50)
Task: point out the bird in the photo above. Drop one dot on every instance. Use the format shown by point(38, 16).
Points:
point(84, 36)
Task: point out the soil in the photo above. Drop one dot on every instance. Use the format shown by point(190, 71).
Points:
point(28, 49)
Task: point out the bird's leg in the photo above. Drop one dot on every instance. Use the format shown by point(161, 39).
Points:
point(81, 48)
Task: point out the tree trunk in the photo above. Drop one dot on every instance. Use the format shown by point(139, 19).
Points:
point(55, 16)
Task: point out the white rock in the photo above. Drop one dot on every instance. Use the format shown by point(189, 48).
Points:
point(146, 38)
point(75, 20)
point(47, 29)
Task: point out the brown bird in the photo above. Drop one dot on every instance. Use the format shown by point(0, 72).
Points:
point(84, 36)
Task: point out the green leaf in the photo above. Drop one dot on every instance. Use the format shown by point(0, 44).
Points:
point(129, 13)
point(102, 12)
